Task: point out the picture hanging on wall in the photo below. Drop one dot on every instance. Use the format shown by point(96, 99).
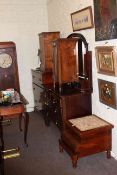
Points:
point(106, 59)
point(82, 19)
point(105, 17)
point(107, 93)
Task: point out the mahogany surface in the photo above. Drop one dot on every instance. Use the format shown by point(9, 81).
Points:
point(65, 62)
point(45, 42)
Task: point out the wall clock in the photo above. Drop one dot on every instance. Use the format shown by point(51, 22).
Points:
point(5, 60)
point(9, 77)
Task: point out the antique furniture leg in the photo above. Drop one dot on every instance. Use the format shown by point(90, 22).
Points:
point(60, 147)
point(1, 149)
point(108, 154)
point(74, 160)
point(20, 122)
point(26, 122)
point(1, 133)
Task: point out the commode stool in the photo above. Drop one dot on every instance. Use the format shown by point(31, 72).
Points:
point(85, 136)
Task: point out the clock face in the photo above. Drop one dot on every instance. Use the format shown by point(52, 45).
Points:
point(5, 60)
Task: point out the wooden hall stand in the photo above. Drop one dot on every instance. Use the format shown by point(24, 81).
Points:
point(84, 134)
point(9, 78)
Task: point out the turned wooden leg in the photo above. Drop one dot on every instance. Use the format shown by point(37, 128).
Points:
point(60, 147)
point(26, 122)
point(20, 122)
point(1, 134)
point(74, 160)
point(108, 154)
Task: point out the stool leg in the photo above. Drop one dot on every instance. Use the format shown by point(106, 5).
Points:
point(74, 160)
point(60, 147)
point(108, 154)
point(26, 122)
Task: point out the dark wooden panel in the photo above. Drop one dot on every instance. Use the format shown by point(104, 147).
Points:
point(65, 60)
point(45, 41)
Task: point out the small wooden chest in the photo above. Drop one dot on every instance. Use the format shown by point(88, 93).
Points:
point(85, 136)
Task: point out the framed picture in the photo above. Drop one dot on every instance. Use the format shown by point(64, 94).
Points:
point(106, 60)
point(105, 17)
point(82, 19)
point(107, 93)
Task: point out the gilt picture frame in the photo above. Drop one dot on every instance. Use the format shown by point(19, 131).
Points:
point(107, 93)
point(82, 19)
point(106, 60)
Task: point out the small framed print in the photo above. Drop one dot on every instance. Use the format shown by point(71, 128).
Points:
point(82, 19)
point(106, 60)
point(107, 93)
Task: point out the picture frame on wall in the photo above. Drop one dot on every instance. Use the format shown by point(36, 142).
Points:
point(82, 19)
point(107, 93)
point(106, 59)
point(105, 17)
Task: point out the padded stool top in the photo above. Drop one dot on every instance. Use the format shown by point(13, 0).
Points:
point(88, 122)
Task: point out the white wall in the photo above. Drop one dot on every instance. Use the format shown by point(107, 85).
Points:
point(21, 21)
point(60, 20)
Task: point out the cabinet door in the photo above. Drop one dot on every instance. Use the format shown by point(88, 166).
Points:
point(45, 41)
point(66, 67)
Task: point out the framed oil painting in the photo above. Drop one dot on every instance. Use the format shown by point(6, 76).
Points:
point(106, 60)
point(107, 93)
point(82, 19)
point(105, 17)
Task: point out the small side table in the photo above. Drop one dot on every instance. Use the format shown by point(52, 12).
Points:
point(13, 111)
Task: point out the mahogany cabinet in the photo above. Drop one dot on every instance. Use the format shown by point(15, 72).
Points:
point(45, 42)
point(65, 60)
point(68, 60)
point(44, 74)
point(60, 86)
point(60, 107)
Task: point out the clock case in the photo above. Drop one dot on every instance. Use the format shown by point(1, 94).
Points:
point(9, 77)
